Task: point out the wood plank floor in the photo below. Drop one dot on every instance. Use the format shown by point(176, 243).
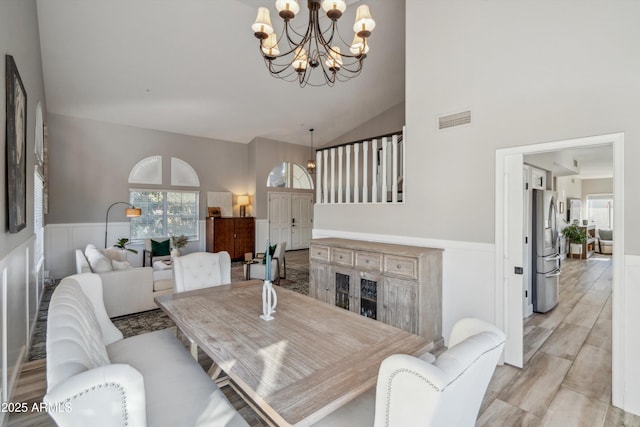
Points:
point(566, 380)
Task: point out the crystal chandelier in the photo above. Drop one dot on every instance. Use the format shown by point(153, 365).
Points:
point(311, 163)
point(315, 49)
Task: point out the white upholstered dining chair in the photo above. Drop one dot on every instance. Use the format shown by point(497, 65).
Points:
point(199, 270)
point(413, 392)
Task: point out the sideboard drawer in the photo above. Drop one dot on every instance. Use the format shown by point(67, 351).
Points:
point(369, 260)
point(319, 253)
point(401, 266)
point(341, 256)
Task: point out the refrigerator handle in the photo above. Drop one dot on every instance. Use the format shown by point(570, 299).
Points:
point(554, 273)
point(554, 258)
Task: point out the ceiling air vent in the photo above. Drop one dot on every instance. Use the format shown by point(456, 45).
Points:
point(456, 119)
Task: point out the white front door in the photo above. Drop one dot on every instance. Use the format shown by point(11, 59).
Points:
point(301, 220)
point(280, 218)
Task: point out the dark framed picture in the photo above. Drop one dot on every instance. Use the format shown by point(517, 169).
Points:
point(16, 143)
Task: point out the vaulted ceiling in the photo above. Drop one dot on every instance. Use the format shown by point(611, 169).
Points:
point(193, 67)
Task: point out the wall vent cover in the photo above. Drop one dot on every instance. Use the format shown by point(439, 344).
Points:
point(456, 119)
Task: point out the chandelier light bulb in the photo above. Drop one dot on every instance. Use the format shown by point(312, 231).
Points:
point(262, 27)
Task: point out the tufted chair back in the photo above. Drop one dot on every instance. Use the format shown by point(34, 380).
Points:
point(201, 270)
point(448, 392)
point(78, 328)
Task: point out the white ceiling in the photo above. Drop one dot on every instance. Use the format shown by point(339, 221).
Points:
point(193, 67)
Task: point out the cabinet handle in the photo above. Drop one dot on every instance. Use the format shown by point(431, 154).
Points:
point(398, 266)
point(340, 256)
point(384, 306)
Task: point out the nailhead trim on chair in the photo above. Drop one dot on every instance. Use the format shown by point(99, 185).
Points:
point(125, 413)
point(391, 377)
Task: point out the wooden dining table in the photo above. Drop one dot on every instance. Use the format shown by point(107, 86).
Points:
point(308, 361)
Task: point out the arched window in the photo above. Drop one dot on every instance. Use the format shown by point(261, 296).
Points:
point(166, 211)
point(289, 175)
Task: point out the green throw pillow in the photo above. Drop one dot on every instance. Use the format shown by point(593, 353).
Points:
point(160, 248)
point(272, 250)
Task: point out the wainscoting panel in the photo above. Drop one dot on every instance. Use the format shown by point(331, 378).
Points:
point(631, 337)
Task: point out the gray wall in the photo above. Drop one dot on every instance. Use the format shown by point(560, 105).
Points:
point(90, 163)
point(19, 37)
point(389, 121)
point(523, 86)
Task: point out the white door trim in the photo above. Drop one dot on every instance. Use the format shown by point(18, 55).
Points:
point(618, 284)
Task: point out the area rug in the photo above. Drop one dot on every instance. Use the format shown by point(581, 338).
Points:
point(297, 280)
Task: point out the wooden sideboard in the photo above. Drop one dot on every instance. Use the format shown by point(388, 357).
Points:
point(231, 234)
point(396, 284)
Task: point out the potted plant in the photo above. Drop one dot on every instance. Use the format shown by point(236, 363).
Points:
point(122, 244)
point(178, 242)
point(576, 236)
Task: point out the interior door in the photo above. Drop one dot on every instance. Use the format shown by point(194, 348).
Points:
point(280, 218)
point(513, 259)
point(301, 220)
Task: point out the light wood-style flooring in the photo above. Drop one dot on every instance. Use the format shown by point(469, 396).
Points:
point(566, 380)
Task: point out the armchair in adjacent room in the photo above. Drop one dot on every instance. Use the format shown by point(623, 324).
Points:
point(605, 241)
point(257, 269)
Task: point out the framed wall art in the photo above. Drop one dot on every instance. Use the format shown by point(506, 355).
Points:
point(16, 143)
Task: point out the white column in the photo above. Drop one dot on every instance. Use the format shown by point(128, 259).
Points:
point(374, 171)
point(365, 162)
point(383, 193)
point(394, 169)
point(340, 167)
point(356, 190)
point(333, 175)
point(319, 177)
point(347, 187)
point(325, 188)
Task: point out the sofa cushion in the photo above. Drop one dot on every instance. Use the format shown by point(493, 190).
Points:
point(74, 337)
point(120, 265)
point(97, 260)
point(160, 248)
point(162, 280)
point(177, 389)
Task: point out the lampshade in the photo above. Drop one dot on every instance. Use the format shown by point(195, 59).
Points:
point(334, 8)
point(287, 9)
point(358, 45)
point(133, 212)
point(243, 200)
point(262, 27)
point(270, 46)
point(364, 23)
point(334, 62)
point(300, 60)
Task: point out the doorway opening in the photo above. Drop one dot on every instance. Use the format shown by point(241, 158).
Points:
point(510, 242)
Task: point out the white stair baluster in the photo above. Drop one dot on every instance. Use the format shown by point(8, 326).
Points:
point(333, 175)
point(340, 167)
point(374, 171)
point(383, 194)
point(347, 187)
point(325, 189)
point(365, 173)
point(394, 169)
point(356, 183)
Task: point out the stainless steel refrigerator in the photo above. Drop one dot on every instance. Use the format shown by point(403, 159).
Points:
point(545, 255)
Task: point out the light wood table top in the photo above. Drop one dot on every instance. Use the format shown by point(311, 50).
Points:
point(307, 362)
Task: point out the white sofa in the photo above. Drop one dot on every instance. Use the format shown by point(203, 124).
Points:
point(97, 378)
point(129, 289)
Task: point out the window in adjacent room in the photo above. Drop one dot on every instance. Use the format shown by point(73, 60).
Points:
point(600, 210)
